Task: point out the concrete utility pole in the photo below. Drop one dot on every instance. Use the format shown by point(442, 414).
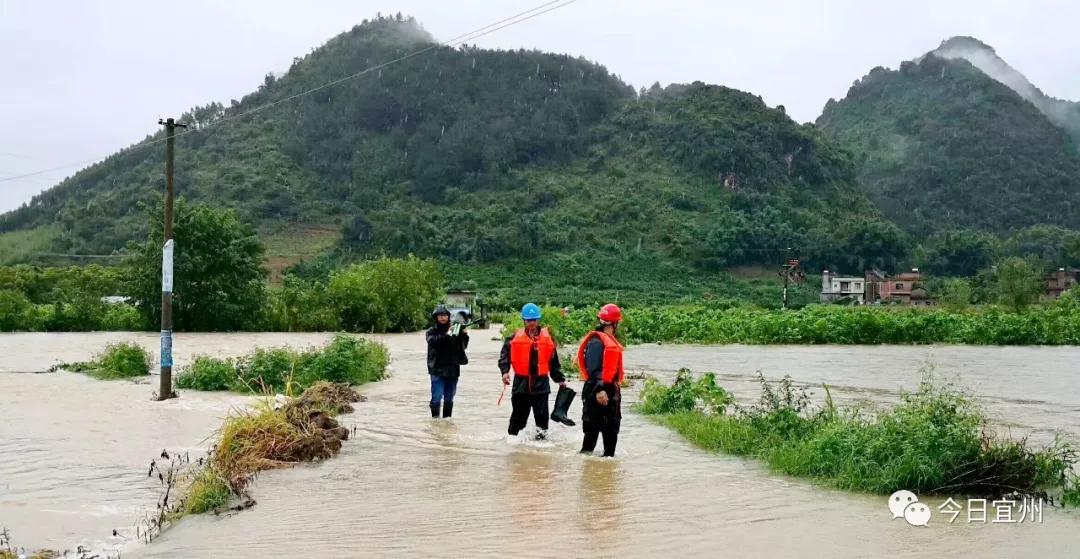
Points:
point(165, 390)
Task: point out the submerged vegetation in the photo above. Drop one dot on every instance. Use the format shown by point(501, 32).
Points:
point(269, 436)
point(937, 440)
point(345, 359)
point(1053, 324)
point(118, 361)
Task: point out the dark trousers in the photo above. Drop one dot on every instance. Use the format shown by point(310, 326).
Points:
point(522, 404)
point(600, 421)
point(443, 389)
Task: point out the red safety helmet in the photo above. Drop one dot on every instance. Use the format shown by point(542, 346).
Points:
point(610, 314)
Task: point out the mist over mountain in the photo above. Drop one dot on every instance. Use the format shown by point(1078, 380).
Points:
point(957, 139)
point(1063, 113)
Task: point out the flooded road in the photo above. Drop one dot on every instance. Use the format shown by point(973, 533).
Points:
point(411, 486)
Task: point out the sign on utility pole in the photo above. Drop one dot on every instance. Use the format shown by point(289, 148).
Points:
point(165, 390)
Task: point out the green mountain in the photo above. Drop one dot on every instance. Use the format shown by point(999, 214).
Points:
point(940, 145)
point(484, 156)
point(1065, 114)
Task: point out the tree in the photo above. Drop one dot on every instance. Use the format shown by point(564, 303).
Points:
point(873, 244)
point(1049, 246)
point(955, 294)
point(219, 280)
point(960, 253)
point(385, 295)
point(1017, 283)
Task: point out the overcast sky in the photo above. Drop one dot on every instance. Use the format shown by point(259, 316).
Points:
point(80, 79)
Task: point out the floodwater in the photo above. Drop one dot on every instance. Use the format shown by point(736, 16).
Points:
point(73, 457)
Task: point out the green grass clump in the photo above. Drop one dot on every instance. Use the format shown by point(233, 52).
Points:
point(208, 373)
point(267, 370)
point(118, 361)
point(344, 359)
point(207, 492)
point(685, 394)
point(935, 441)
point(1071, 495)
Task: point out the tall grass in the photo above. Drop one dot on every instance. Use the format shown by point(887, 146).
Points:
point(936, 440)
point(208, 491)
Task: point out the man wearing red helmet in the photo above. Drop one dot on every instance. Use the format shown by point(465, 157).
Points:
point(600, 362)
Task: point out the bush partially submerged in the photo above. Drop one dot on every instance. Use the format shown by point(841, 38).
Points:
point(282, 370)
point(118, 361)
point(936, 440)
point(684, 395)
point(208, 373)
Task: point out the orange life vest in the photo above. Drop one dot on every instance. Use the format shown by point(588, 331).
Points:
point(612, 372)
point(521, 348)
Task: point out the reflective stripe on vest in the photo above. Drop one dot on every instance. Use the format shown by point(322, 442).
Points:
point(612, 372)
point(521, 348)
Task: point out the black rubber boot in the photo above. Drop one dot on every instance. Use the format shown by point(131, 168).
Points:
point(447, 409)
point(563, 399)
point(434, 410)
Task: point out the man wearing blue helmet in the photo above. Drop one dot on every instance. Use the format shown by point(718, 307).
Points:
point(530, 355)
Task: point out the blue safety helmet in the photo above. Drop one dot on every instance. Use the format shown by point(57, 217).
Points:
point(530, 312)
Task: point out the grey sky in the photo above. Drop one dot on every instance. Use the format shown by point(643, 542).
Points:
point(81, 79)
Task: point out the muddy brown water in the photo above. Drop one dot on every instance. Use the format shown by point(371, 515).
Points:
point(74, 451)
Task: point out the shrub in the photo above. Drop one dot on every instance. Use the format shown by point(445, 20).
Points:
point(300, 306)
point(125, 318)
point(118, 361)
point(346, 360)
point(268, 369)
point(385, 295)
point(208, 373)
point(284, 370)
point(16, 312)
point(685, 394)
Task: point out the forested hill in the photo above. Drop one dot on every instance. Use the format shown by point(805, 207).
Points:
point(478, 155)
point(939, 144)
point(1065, 114)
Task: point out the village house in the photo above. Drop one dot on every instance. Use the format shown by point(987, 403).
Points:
point(1060, 281)
point(903, 288)
point(838, 287)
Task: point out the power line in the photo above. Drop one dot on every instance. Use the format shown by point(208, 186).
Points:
point(452, 42)
point(78, 255)
point(460, 39)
